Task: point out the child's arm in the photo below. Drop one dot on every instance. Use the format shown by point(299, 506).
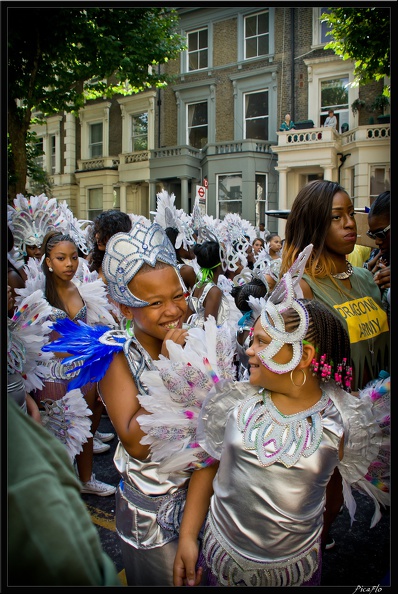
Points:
point(200, 491)
point(119, 394)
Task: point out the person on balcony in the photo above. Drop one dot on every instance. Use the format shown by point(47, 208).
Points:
point(331, 120)
point(287, 124)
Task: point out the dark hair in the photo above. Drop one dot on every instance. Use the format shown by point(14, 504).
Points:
point(260, 239)
point(271, 236)
point(255, 288)
point(327, 334)
point(308, 222)
point(207, 254)
point(106, 224)
point(52, 239)
point(381, 205)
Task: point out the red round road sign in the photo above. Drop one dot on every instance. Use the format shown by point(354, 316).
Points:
point(205, 183)
point(201, 192)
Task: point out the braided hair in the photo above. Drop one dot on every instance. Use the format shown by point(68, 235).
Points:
point(52, 239)
point(330, 339)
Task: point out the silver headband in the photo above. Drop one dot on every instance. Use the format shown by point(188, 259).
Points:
point(126, 253)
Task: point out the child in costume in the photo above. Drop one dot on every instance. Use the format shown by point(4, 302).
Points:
point(278, 439)
point(143, 277)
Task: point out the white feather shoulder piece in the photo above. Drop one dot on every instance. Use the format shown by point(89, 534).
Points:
point(176, 391)
point(27, 333)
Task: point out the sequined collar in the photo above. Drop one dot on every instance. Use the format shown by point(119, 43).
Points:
point(277, 437)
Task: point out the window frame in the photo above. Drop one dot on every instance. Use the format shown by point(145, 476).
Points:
point(232, 200)
point(195, 92)
point(93, 212)
point(190, 128)
point(198, 51)
point(319, 39)
point(95, 144)
point(94, 114)
point(264, 117)
point(245, 37)
point(137, 136)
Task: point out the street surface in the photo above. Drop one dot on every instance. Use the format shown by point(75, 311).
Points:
point(361, 556)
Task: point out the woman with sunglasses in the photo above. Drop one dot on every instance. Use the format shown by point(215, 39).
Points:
point(379, 260)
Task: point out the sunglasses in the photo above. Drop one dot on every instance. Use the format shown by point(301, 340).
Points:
point(378, 234)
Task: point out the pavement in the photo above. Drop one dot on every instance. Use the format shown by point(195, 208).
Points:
point(360, 560)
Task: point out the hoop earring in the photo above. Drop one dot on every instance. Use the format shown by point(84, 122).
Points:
point(304, 378)
point(50, 269)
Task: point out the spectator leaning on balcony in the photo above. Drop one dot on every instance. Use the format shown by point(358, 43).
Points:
point(287, 124)
point(331, 120)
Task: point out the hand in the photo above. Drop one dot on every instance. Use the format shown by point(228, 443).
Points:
point(184, 573)
point(177, 335)
point(382, 277)
point(373, 264)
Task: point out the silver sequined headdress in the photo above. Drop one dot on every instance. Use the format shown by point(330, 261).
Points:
point(285, 296)
point(126, 253)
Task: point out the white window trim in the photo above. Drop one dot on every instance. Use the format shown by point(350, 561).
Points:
point(264, 117)
point(129, 106)
point(238, 200)
point(195, 93)
point(317, 28)
point(93, 114)
point(184, 62)
point(326, 68)
point(208, 50)
point(52, 127)
point(241, 35)
point(263, 79)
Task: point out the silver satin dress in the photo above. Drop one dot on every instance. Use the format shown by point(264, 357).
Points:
point(265, 522)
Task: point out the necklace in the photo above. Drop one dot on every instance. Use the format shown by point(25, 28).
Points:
point(277, 437)
point(344, 275)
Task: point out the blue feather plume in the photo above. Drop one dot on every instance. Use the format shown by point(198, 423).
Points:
point(82, 344)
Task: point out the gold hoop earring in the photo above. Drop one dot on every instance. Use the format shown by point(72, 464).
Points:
point(304, 378)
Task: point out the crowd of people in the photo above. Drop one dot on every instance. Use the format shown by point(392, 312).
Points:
point(233, 366)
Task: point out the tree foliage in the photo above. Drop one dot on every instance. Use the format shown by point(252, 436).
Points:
point(361, 34)
point(54, 52)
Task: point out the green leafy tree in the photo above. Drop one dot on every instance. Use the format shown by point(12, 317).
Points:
point(361, 34)
point(54, 52)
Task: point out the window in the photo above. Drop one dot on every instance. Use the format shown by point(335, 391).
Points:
point(319, 28)
point(334, 95)
point(95, 144)
point(39, 153)
point(229, 188)
point(197, 129)
point(95, 203)
point(379, 180)
point(257, 35)
point(52, 153)
point(198, 50)
point(139, 132)
point(261, 200)
point(256, 115)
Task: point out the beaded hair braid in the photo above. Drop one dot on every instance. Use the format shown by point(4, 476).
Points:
point(52, 239)
point(327, 334)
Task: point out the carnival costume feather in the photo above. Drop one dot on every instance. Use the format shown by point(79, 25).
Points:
point(27, 333)
point(68, 419)
point(90, 350)
point(176, 391)
point(167, 215)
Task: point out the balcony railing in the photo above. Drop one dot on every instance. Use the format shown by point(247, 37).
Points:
point(328, 135)
point(98, 163)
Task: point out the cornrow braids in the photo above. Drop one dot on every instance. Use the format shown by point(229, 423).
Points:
point(330, 339)
point(256, 288)
point(52, 239)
